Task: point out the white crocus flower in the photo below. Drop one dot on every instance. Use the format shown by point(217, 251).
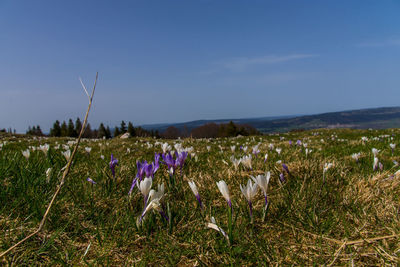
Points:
point(278, 150)
point(157, 194)
point(213, 225)
point(327, 166)
point(356, 156)
point(67, 154)
point(233, 148)
point(48, 175)
point(262, 181)
point(26, 153)
point(249, 191)
point(44, 148)
point(375, 164)
point(235, 162)
point(265, 157)
point(246, 161)
point(223, 188)
point(375, 152)
point(88, 149)
point(145, 186)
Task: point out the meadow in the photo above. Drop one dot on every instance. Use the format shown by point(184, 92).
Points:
point(333, 198)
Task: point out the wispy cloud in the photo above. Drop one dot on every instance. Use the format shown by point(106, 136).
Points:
point(384, 43)
point(242, 63)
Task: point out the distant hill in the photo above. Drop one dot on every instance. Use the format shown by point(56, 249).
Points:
point(376, 118)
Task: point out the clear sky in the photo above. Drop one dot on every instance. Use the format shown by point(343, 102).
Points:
point(173, 61)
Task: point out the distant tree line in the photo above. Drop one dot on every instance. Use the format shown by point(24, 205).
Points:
point(211, 130)
point(72, 129)
point(9, 130)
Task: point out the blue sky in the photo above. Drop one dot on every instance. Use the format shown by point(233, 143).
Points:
point(174, 61)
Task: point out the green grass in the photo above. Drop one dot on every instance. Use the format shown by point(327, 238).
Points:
point(306, 221)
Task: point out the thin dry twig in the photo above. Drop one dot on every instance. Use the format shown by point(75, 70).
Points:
point(66, 171)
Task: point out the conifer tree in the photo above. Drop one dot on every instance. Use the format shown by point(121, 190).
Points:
point(122, 129)
point(116, 131)
point(108, 132)
point(131, 129)
point(71, 129)
point(78, 126)
point(64, 129)
point(56, 130)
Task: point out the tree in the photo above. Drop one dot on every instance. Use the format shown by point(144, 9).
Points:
point(88, 132)
point(171, 132)
point(78, 126)
point(56, 130)
point(123, 127)
point(116, 131)
point(231, 129)
point(108, 132)
point(131, 129)
point(64, 129)
point(102, 132)
point(71, 129)
point(38, 131)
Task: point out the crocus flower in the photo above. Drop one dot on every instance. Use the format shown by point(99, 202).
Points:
point(195, 192)
point(375, 151)
point(235, 162)
point(256, 150)
point(327, 166)
point(145, 187)
point(90, 180)
point(265, 157)
point(278, 150)
point(246, 161)
point(88, 149)
point(223, 188)
point(285, 167)
point(290, 142)
point(392, 146)
point(48, 174)
point(262, 181)
point(356, 156)
point(26, 153)
point(154, 198)
point(298, 142)
point(113, 163)
point(169, 160)
point(67, 154)
point(44, 148)
point(375, 164)
point(282, 178)
point(213, 225)
point(249, 191)
point(180, 158)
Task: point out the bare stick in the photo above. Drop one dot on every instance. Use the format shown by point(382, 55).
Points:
point(66, 171)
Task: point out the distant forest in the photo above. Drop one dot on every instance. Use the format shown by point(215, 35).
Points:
point(209, 130)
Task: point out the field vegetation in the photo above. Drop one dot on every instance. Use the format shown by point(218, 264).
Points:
point(333, 198)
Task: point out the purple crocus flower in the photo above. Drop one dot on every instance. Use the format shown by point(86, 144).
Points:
point(298, 143)
point(90, 180)
point(285, 167)
point(290, 142)
point(113, 163)
point(282, 178)
point(169, 160)
point(180, 158)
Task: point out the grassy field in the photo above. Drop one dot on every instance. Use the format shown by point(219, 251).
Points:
point(341, 213)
